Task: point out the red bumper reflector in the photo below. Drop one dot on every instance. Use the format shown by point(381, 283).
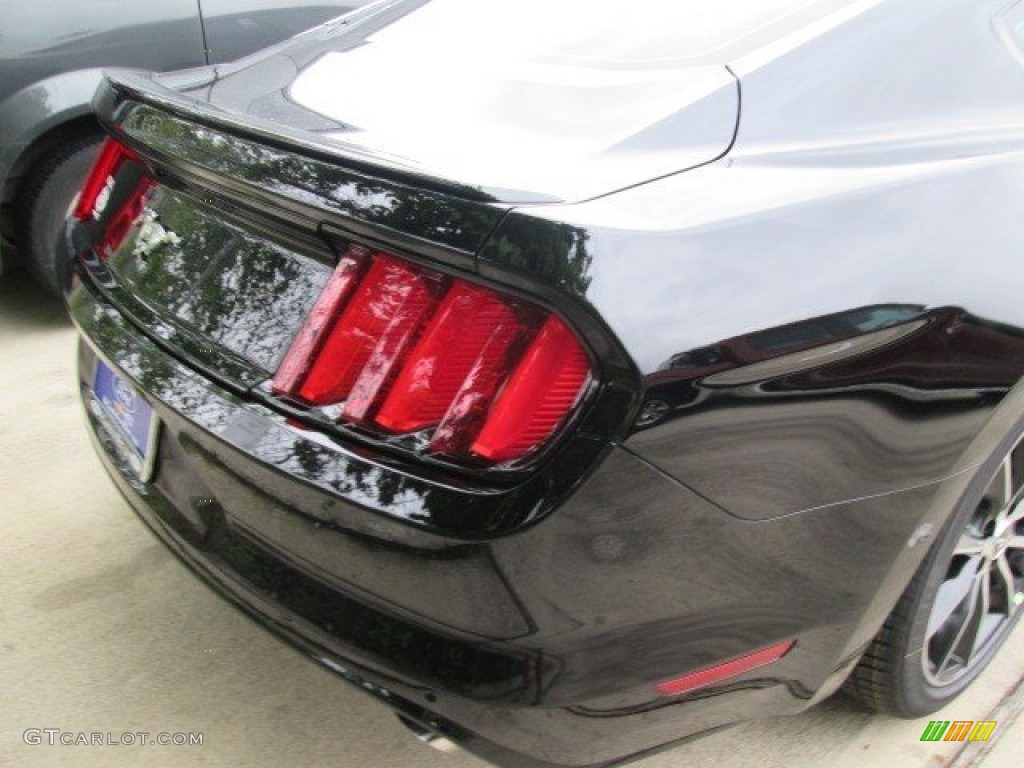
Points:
point(716, 674)
point(481, 376)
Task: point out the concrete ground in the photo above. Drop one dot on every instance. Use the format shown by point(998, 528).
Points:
point(1008, 751)
point(101, 630)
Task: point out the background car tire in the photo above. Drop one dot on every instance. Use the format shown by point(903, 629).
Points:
point(653, 411)
point(45, 200)
point(891, 677)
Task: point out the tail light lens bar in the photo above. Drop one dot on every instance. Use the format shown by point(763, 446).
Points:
point(96, 194)
point(543, 386)
point(92, 200)
point(483, 377)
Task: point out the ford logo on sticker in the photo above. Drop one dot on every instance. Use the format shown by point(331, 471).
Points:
point(125, 396)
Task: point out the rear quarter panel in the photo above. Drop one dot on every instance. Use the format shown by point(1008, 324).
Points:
point(864, 233)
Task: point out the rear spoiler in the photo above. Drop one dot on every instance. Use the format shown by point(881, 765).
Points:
point(120, 88)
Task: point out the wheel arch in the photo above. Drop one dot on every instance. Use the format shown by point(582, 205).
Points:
point(1003, 424)
point(36, 119)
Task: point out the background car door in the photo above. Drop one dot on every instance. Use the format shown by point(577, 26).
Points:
point(235, 28)
point(39, 40)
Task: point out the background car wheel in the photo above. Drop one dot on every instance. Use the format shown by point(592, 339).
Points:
point(44, 203)
point(653, 411)
point(962, 603)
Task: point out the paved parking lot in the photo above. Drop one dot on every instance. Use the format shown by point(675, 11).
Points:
point(101, 630)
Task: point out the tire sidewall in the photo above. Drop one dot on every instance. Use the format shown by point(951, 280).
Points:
point(918, 696)
point(50, 206)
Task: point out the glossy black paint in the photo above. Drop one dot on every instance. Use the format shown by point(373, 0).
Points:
point(823, 408)
point(712, 588)
point(805, 414)
point(283, 184)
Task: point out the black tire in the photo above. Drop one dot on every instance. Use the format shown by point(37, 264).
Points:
point(44, 201)
point(919, 661)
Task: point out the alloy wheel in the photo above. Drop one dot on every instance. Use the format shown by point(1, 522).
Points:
point(983, 590)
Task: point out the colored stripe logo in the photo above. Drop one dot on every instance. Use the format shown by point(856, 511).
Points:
point(958, 730)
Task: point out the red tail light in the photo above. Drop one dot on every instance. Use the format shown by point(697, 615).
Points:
point(543, 388)
point(407, 350)
point(390, 300)
point(91, 200)
point(123, 218)
point(94, 197)
point(445, 354)
point(306, 345)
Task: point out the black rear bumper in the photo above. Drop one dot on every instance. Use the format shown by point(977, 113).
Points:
point(156, 511)
point(536, 648)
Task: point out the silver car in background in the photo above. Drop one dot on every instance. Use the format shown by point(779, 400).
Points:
point(51, 58)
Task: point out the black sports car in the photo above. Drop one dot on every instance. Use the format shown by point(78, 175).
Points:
point(578, 379)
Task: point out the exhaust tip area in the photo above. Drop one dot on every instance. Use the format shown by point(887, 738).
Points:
point(428, 736)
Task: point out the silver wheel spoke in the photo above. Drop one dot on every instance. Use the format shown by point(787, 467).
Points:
point(983, 587)
point(981, 611)
point(963, 643)
point(1017, 513)
point(1002, 568)
point(1002, 485)
point(968, 545)
point(951, 595)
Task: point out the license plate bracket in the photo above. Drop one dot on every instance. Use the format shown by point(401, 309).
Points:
point(129, 419)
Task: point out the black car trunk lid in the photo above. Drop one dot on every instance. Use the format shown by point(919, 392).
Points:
point(239, 234)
